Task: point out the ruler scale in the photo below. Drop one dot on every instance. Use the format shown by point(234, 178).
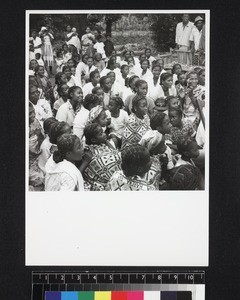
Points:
point(107, 286)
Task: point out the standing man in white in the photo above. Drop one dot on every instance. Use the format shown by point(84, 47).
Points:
point(183, 32)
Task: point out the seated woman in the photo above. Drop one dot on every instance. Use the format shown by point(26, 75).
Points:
point(105, 159)
point(138, 122)
point(141, 88)
point(195, 93)
point(61, 172)
point(36, 137)
point(44, 83)
point(166, 87)
point(136, 162)
point(181, 128)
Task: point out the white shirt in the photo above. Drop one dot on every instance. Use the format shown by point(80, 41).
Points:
point(80, 122)
point(45, 153)
point(66, 113)
point(36, 43)
point(42, 110)
point(99, 46)
point(195, 37)
point(183, 33)
point(118, 124)
point(87, 89)
point(81, 68)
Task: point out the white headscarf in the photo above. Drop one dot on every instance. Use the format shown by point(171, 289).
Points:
point(151, 139)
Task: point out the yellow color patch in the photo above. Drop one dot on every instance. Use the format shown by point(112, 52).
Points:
point(102, 296)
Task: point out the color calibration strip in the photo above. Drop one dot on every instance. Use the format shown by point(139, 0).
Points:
point(124, 286)
point(120, 295)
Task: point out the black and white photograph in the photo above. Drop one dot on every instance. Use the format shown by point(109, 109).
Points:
point(117, 101)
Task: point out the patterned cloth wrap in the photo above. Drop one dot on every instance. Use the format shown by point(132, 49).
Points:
point(135, 129)
point(119, 182)
point(105, 162)
point(94, 113)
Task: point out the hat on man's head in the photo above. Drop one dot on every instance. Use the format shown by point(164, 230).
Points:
point(43, 28)
point(198, 19)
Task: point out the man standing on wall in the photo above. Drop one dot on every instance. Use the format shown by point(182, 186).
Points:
point(183, 32)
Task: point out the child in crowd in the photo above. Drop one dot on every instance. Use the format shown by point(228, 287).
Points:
point(94, 78)
point(172, 103)
point(160, 105)
point(89, 69)
point(61, 172)
point(75, 79)
point(32, 67)
point(176, 70)
point(60, 79)
point(82, 69)
point(138, 122)
point(71, 63)
point(154, 82)
point(136, 162)
point(68, 110)
point(46, 145)
point(124, 74)
point(98, 91)
point(63, 94)
point(98, 62)
point(99, 46)
point(41, 106)
point(117, 58)
point(59, 61)
point(67, 54)
point(150, 58)
point(181, 87)
point(39, 59)
point(106, 85)
point(43, 83)
point(119, 119)
point(141, 88)
point(67, 72)
point(145, 73)
point(81, 119)
point(116, 89)
point(181, 128)
point(105, 159)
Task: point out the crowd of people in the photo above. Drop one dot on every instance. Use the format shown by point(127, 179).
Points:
point(100, 120)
